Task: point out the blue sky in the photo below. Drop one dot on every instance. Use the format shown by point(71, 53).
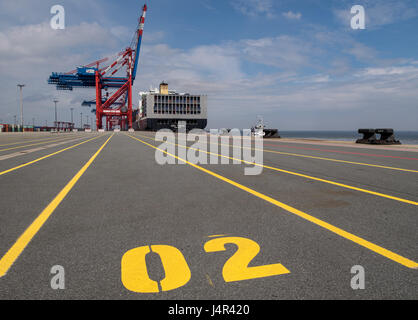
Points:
point(296, 62)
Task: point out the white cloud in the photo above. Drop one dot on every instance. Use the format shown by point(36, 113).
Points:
point(207, 4)
point(321, 79)
point(41, 40)
point(25, 12)
point(292, 15)
point(383, 13)
point(29, 54)
point(254, 8)
point(121, 32)
point(200, 68)
point(362, 52)
point(389, 71)
point(379, 12)
point(283, 51)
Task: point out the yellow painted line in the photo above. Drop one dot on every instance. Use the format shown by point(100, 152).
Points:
point(341, 161)
point(36, 149)
point(209, 280)
point(35, 140)
point(47, 156)
point(35, 144)
point(383, 195)
point(349, 236)
point(328, 159)
point(14, 252)
point(320, 158)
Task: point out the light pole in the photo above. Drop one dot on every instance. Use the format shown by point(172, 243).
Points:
point(56, 116)
point(33, 122)
point(21, 104)
point(81, 121)
point(72, 109)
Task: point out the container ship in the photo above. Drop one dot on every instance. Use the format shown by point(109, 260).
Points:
point(166, 109)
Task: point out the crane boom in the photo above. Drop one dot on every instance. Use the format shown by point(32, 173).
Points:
point(140, 31)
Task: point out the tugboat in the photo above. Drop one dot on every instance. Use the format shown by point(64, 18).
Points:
point(259, 130)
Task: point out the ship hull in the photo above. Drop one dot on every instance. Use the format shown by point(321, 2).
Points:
point(172, 124)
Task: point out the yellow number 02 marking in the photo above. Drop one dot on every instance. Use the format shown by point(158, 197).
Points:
point(134, 272)
point(236, 268)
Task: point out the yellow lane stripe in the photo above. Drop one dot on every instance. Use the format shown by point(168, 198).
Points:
point(35, 140)
point(14, 252)
point(341, 161)
point(349, 236)
point(47, 156)
point(36, 149)
point(334, 160)
point(35, 144)
point(305, 176)
point(322, 158)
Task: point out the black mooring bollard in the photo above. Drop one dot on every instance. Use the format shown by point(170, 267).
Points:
point(369, 136)
point(387, 136)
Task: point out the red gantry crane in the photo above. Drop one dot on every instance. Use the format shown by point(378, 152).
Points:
point(117, 107)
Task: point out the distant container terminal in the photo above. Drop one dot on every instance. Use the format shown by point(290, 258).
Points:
point(166, 109)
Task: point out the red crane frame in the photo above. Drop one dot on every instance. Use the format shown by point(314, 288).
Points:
point(105, 109)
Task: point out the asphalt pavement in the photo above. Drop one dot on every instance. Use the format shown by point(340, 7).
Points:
point(123, 226)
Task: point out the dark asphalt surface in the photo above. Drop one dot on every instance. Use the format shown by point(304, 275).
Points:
point(125, 200)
